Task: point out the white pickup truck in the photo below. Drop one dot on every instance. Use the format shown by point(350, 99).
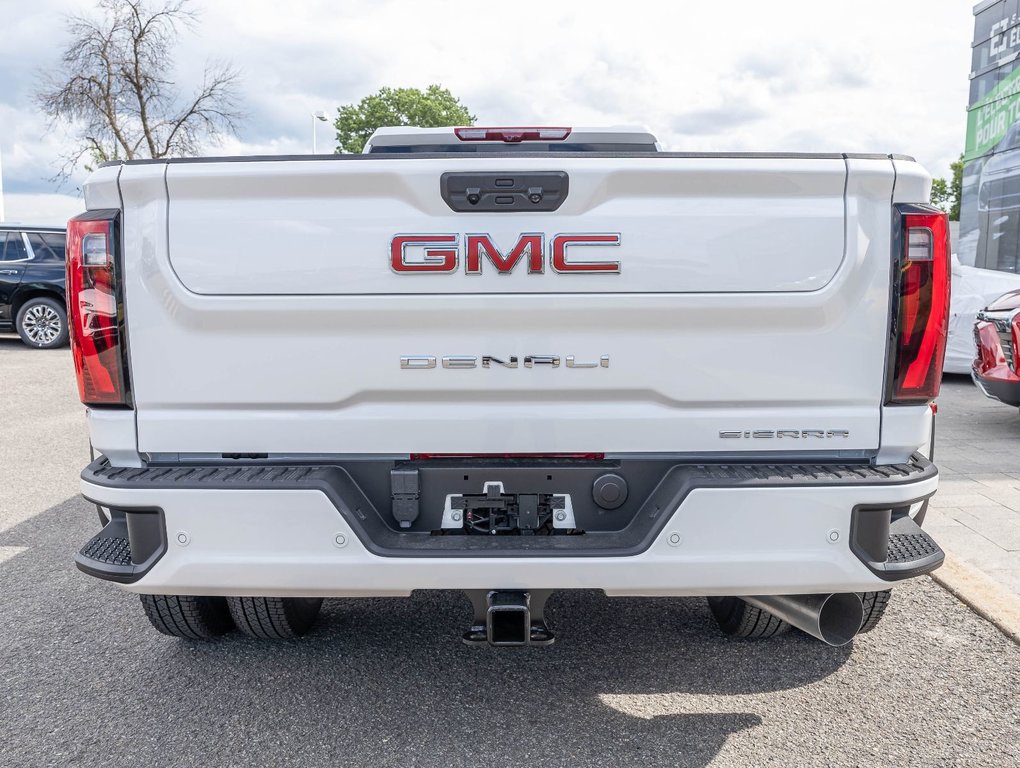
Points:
point(510, 361)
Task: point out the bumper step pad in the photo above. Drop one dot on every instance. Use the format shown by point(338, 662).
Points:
point(911, 547)
point(907, 551)
point(108, 549)
point(127, 547)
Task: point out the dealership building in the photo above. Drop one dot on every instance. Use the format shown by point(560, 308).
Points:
point(990, 210)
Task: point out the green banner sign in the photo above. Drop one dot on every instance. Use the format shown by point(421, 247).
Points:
point(989, 119)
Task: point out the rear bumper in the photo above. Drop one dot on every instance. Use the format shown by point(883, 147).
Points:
point(768, 530)
point(1005, 389)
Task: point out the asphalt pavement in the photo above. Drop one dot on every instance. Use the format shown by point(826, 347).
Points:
point(86, 681)
point(976, 513)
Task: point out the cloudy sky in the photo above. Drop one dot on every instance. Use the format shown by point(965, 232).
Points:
point(869, 75)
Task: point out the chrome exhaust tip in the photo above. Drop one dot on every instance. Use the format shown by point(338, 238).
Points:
point(835, 619)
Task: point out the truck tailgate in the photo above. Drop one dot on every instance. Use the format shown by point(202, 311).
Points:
point(264, 313)
point(324, 227)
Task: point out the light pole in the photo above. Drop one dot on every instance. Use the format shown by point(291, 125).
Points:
point(317, 115)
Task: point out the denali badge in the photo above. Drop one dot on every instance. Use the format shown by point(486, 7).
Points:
point(421, 362)
point(780, 433)
point(440, 254)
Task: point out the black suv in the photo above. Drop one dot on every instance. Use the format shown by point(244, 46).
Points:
point(32, 284)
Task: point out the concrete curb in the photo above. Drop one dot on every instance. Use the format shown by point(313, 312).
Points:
point(985, 596)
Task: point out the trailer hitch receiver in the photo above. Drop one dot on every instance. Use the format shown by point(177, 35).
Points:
point(508, 617)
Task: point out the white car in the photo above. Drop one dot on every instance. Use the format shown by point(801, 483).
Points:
point(511, 361)
point(973, 290)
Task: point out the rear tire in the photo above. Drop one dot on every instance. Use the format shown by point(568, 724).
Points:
point(187, 616)
point(274, 618)
point(740, 619)
point(42, 323)
point(874, 608)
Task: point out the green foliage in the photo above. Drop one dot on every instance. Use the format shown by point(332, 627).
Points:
point(940, 194)
point(956, 189)
point(432, 108)
point(948, 194)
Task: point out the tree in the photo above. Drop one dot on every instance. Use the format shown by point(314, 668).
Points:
point(956, 189)
point(940, 194)
point(432, 108)
point(948, 195)
point(113, 86)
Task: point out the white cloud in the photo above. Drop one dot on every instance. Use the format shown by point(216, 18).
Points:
point(745, 75)
point(42, 209)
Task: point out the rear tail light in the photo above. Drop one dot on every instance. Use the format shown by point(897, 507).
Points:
point(95, 309)
point(511, 135)
point(920, 310)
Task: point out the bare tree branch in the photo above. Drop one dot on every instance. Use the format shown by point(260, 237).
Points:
point(113, 86)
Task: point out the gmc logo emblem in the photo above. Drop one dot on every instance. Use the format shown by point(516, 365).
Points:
point(441, 254)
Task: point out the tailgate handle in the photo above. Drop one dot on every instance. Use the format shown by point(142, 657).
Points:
point(500, 192)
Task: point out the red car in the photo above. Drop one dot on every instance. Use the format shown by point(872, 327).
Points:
point(997, 333)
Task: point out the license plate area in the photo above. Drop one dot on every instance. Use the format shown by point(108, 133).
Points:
point(433, 495)
point(495, 512)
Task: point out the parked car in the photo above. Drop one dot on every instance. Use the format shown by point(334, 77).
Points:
point(32, 284)
point(973, 290)
point(997, 334)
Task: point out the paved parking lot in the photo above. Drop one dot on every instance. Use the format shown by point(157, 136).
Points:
point(386, 682)
point(42, 432)
point(976, 513)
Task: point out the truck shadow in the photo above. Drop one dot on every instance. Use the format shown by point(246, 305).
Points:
point(379, 681)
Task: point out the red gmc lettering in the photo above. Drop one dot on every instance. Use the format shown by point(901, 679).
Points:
point(441, 253)
point(560, 243)
point(436, 259)
point(534, 245)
